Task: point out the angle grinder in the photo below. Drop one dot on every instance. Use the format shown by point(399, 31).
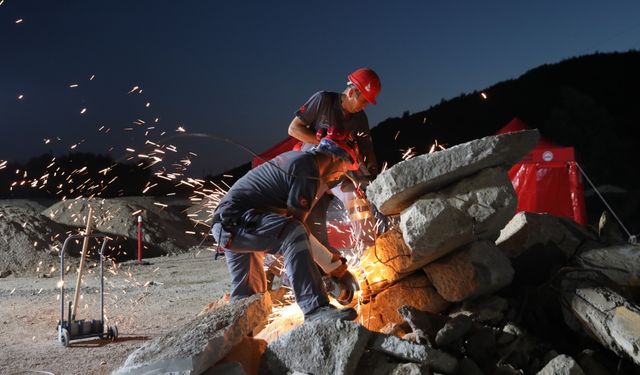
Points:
point(343, 288)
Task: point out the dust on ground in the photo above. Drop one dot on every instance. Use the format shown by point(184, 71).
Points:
point(142, 301)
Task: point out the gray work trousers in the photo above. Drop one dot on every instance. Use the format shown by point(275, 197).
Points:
point(259, 232)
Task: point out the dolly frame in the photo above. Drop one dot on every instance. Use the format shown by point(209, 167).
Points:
point(64, 334)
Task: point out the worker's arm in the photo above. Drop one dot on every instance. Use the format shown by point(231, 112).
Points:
point(299, 130)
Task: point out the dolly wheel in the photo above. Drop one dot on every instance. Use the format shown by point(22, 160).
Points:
point(113, 332)
point(65, 337)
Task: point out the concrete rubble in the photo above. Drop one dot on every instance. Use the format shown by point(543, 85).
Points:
point(326, 347)
point(602, 312)
point(415, 290)
point(202, 342)
point(561, 365)
point(474, 208)
point(476, 269)
point(620, 263)
point(461, 285)
point(401, 185)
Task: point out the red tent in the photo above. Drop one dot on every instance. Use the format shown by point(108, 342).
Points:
point(547, 179)
point(285, 145)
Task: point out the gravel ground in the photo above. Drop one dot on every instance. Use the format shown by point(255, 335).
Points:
point(142, 301)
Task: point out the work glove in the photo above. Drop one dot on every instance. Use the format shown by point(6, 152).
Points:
point(341, 269)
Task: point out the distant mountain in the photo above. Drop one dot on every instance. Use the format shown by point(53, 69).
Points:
point(589, 102)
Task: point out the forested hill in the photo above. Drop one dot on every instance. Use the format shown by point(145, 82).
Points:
point(589, 102)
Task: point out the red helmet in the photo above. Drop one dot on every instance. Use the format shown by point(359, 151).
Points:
point(368, 82)
point(339, 142)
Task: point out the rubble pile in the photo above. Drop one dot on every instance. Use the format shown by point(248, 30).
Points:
point(29, 242)
point(165, 227)
point(452, 206)
point(460, 286)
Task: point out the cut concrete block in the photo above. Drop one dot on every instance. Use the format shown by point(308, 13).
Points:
point(406, 351)
point(475, 270)
point(384, 263)
point(561, 365)
point(415, 291)
point(202, 342)
point(619, 263)
point(324, 347)
point(399, 186)
point(527, 229)
point(604, 314)
point(477, 207)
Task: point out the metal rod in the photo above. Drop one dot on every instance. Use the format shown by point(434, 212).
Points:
point(605, 202)
point(104, 244)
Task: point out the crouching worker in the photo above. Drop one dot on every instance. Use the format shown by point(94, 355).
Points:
point(265, 211)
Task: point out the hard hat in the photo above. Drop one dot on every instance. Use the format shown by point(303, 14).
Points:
point(368, 82)
point(340, 143)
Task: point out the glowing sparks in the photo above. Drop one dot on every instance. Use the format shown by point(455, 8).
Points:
point(135, 88)
point(73, 85)
point(92, 77)
point(436, 147)
point(19, 20)
point(408, 153)
point(484, 96)
point(181, 129)
point(148, 104)
point(83, 111)
point(20, 97)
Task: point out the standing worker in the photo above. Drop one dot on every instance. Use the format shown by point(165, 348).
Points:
point(265, 211)
point(343, 111)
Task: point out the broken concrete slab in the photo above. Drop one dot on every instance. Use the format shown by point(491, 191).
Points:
point(399, 186)
point(415, 290)
point(474, 208)
point(604, 314)
point(477, 269)
point(527, 229)
point(561, 365)
point(384, 263)
point(324, 347)
point(436, 360)
point(202, 342)
point(620, 263)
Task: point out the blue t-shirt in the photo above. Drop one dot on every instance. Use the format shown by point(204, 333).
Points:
point(289, 181)
point(324, 110)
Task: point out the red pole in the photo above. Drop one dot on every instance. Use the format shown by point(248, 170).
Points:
point(139, 239)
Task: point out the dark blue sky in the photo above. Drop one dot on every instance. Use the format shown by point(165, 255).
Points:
point(239, 69)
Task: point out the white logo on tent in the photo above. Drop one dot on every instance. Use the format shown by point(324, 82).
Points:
point(547, 156)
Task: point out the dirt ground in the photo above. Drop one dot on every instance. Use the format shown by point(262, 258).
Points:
point(142, 301)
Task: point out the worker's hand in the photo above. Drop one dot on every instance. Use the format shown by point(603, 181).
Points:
point(341, 269)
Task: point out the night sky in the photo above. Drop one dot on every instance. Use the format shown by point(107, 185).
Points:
point(239, 69)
